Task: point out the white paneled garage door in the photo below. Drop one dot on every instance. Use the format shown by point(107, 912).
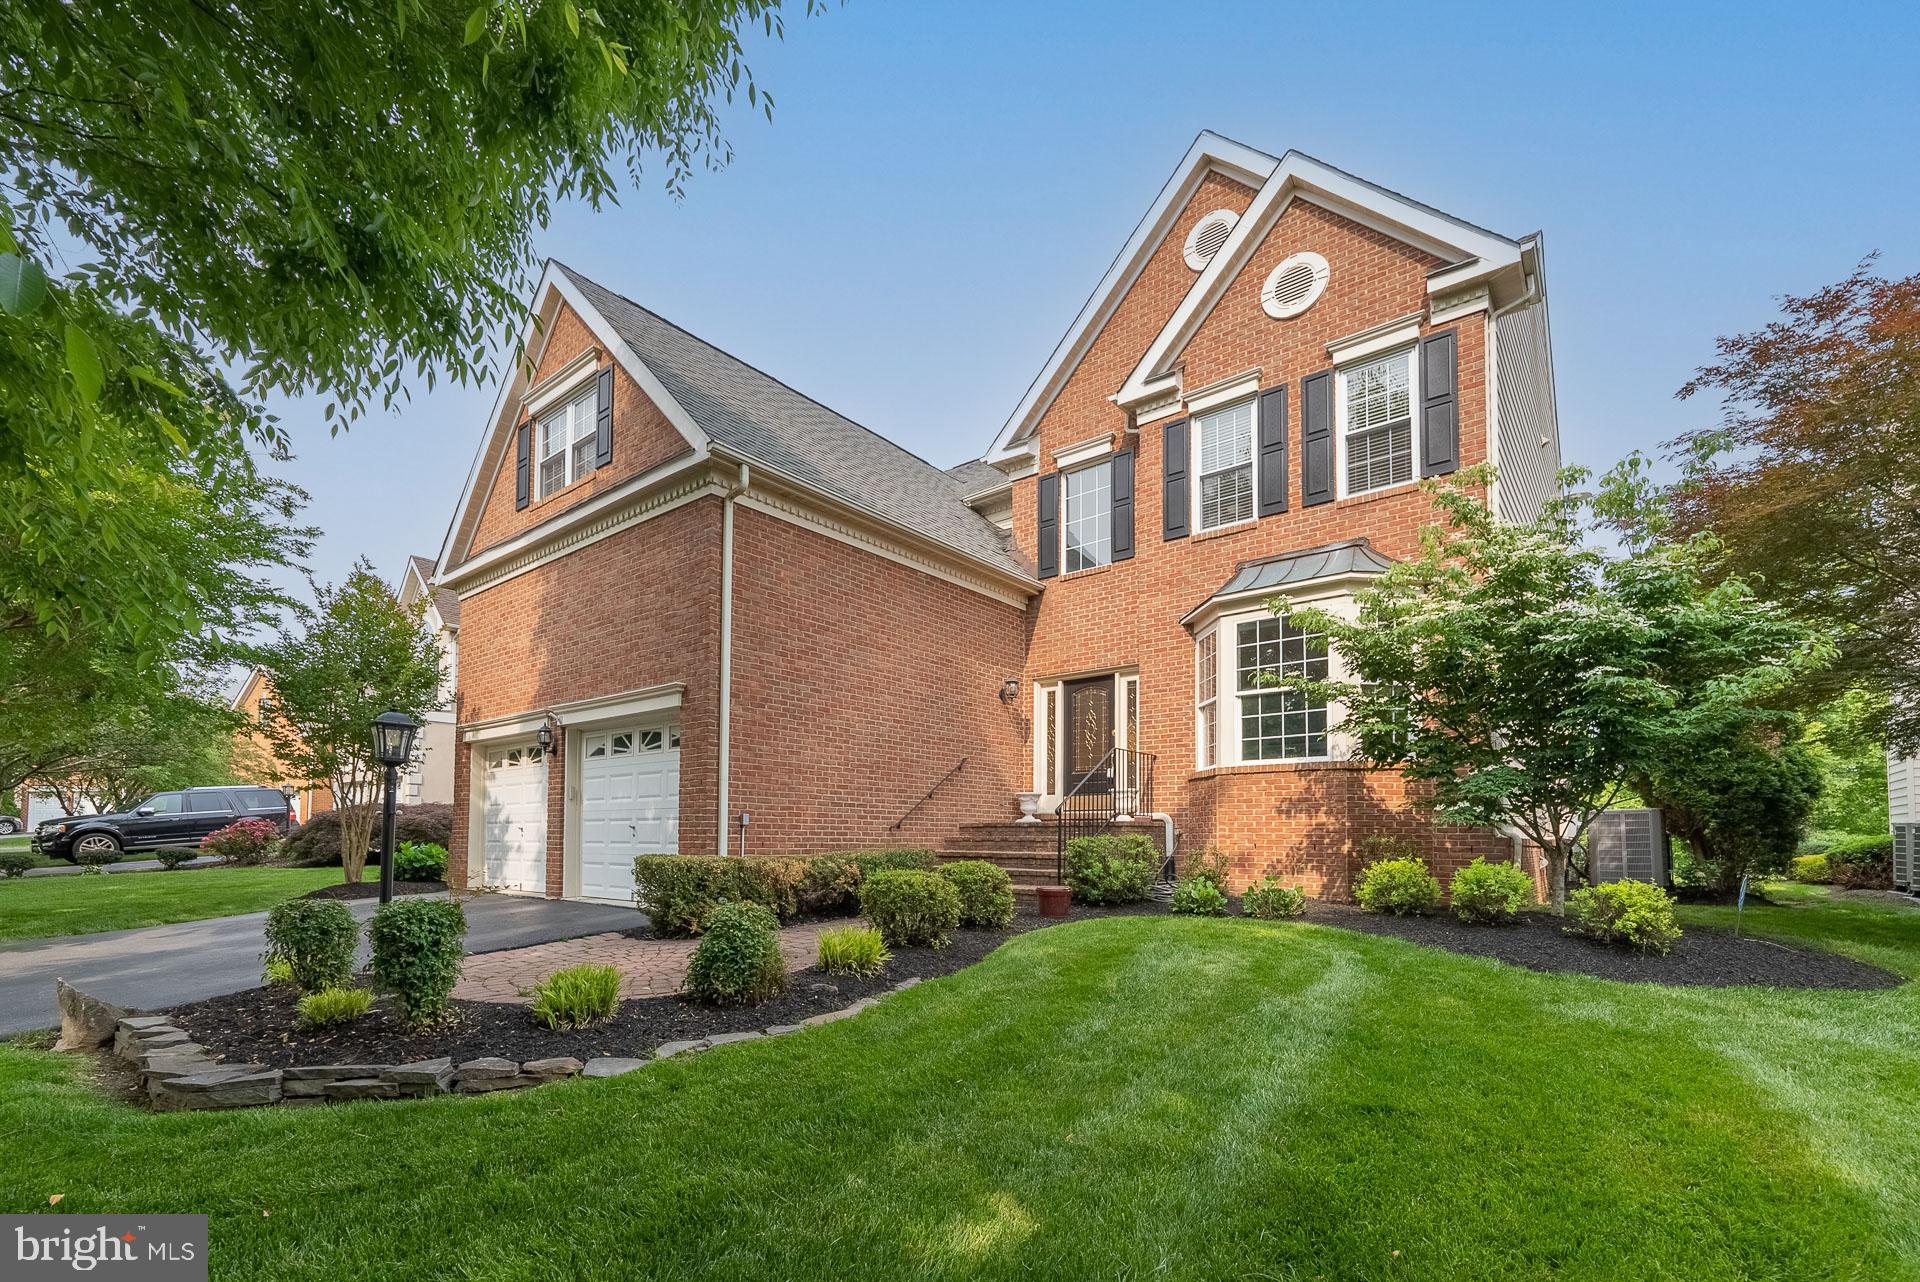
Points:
point(514, 821)
point(629, 804)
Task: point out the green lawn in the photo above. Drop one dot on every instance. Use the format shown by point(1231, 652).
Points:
point(1139, 1098)
point(39, 907)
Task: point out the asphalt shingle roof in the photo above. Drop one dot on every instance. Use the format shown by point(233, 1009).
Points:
point(977, 476)
point(445, 600)
point(762, 419)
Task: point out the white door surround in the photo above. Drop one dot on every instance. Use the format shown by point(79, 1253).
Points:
point(512, 816)
point(1051, 729)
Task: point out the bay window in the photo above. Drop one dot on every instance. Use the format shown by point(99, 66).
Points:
point(1237, 660)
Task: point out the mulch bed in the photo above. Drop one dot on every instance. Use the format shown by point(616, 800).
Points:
point(259, 1025)
point(1703, 957)
point(371, 889)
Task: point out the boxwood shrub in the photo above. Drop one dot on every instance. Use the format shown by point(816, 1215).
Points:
point(314, 940)
point(1111, 868)
point(1397, 886)
point(986, 892)
point(1638, 913)
point(14, 863)
point(418, 944)
point(1271, 901)
point(1485, 893)
point(1811, 869)
point(737, 962)
point(911, 909)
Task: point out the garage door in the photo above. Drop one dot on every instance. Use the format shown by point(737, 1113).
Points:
point(515, 818)
point(629, 805)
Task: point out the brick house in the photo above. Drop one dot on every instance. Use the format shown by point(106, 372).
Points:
point(701, 611)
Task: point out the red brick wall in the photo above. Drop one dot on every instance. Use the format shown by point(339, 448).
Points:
point(637, 609)
point(1294, 819)
point(857, 683)
point(642, 439)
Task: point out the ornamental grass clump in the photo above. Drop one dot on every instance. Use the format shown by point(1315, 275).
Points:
point(912, 909)
point(1397, 886)
point(1636, 913)
point(737, 962)
point(311, 941)
point(577, 997)
point(418, 944)
point(853, 950)
point(1486, 894)
point(986, 892)
point(1268, 900)
point(334, 1006)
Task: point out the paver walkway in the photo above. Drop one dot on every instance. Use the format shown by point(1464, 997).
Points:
point(648, 967)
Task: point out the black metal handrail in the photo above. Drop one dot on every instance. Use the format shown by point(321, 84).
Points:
point(902, 820)
point(1093, 804)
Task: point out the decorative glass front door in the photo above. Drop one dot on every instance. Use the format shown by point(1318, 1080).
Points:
point(1089, 735)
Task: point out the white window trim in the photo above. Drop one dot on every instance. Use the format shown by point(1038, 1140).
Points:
point(564, 384)
point(561, 409)
point(1411, 352)
point(1094, 447)
point(1252, 464)
point(1066, 516)
point(1226, 721)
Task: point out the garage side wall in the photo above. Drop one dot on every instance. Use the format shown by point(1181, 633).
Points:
point(635, 610)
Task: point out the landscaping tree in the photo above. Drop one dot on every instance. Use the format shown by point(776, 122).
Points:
point(172, 738)
point(1524, 676)
point(1739, 800)
point(355, 654)
point(1842, 735)
point(1812, 480)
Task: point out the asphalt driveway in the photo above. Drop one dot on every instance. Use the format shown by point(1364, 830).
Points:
point(155, 967)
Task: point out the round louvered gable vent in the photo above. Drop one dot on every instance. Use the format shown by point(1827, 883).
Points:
point(1295, 285)
point(1211, 232)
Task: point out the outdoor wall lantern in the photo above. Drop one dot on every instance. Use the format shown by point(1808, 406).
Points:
point(546, 738)
point(1010, 689)
point(393, 747)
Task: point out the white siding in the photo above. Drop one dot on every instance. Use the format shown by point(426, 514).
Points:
point(1903, 789)
point(1527, 428)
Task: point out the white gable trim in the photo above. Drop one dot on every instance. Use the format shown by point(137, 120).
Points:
point(1471, 252)
point(556, 286)
point(1209, 151)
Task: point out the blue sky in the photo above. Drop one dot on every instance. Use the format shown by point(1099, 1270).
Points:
point(942, 184)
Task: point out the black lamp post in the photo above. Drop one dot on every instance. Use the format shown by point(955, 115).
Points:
point(393, 747)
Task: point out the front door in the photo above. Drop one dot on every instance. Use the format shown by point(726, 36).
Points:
point(1090, 736)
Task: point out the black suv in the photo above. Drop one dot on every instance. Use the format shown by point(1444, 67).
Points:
point(164, 820)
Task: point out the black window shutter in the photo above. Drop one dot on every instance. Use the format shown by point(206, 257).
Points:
point(1122, 506)
point(523, 466)
point(603, 420)
point(1439, 403)
point(1316, 438)
point(1273, 451)
point(1173, 472)
point(1049, 533)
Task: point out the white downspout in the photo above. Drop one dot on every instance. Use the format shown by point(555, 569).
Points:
point(726, 651)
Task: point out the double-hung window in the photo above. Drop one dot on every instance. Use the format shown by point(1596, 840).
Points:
point(1279, 725)
point(1207, 697)
point(1224, 438)
point(567, 443)
point(1088, 523)
point(1377, 426)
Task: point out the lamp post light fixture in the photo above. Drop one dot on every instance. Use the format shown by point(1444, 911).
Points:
point(392, 747)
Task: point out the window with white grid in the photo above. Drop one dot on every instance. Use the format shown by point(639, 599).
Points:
point(567, 443)
point(1378, 430)
point(1224, 440)
point(1279, 725)
point(1088, 492)
point(1206, 696)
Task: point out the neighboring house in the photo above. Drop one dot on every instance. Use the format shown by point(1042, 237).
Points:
point(702, 611)
point(1903, 813)
point(430, 777)
point(256, 762)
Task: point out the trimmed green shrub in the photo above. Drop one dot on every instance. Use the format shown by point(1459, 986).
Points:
point(679, 892)
point(889, 858)
point(986, 892)
point(1197, 896)
point(577, 997)
point(830, 885)
point(244, 841)
point(1271, 901)
point(315, 938)
point(1111, 868)
point(1812, 870)
point(1486, 893)
point(15, 863)
point(737, 962)
point(853, 950)
point(317, 841)
point(912, 909)
point(1862, 863)
point(419, 861)
point(334, 1006)
point(96, 861)
point(1397, 886)
point(171, 859)
point(1624, 912)
point(417, 949)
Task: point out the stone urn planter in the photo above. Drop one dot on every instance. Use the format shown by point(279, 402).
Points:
point(1029, 808)
point(1054, 900)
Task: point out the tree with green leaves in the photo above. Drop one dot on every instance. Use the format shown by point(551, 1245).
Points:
point(1525, 677)
point(355, 654)
point(172, 738)
point(1843, 735)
